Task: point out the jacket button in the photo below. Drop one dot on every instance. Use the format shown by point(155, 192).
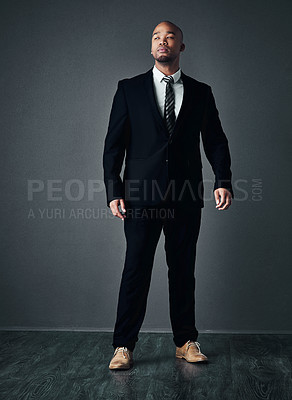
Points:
point(166, 161)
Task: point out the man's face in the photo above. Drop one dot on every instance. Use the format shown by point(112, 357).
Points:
point(166, 43)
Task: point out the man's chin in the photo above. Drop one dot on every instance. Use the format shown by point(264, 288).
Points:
point(163, 59)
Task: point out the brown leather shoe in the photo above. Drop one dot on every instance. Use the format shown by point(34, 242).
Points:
point(122, 358)
point(191, 352)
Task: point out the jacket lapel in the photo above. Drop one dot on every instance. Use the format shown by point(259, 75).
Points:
point(186, 103)
point(149, 87)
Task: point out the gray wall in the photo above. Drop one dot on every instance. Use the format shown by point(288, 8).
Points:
point(60, 64)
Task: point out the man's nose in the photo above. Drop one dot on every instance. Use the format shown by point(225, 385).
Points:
point(163, 41)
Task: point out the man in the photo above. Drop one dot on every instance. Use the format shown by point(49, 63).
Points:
point(157, 118)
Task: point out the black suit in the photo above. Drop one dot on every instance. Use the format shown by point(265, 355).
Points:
point(154, 161)
point(161, 171)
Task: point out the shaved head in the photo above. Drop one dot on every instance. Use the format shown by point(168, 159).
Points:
point(166, 46)
point(177, 29)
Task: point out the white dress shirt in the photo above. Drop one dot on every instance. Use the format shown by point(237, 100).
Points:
point(160, 86)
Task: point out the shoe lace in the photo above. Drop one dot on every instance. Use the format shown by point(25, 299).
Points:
point(122, 349)
point(192, 343)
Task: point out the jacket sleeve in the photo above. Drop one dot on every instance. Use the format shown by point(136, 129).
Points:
point(215, 145)
point(115, 145)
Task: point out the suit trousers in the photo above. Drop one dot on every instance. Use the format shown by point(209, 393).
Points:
point(142, 227)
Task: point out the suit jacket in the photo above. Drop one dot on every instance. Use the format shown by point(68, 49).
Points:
point(157, 164)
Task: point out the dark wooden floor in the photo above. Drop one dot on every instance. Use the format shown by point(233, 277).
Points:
point(74, 365)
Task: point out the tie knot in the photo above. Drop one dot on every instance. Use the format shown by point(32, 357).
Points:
point(168, 79)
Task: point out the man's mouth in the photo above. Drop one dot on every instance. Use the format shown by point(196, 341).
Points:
point(162, 50)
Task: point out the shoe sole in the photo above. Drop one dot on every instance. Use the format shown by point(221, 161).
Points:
point(122, 368)
point(191, 361)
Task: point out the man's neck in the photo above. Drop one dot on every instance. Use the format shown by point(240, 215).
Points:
point(167, 69)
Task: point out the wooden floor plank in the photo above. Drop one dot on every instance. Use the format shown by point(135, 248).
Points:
point(74, 365)
point(259, 368)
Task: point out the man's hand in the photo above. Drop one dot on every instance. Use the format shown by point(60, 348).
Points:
point(115, 209)
point(222, 198)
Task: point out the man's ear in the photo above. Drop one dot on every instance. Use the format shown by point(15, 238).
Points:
point(182, 47)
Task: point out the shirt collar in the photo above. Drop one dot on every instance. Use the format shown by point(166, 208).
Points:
point(159, 75)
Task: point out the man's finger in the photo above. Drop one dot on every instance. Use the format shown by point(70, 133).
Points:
point(222, 199)
point(115, 210)
point(217, 198)
point(226, 205)
point(123, 205)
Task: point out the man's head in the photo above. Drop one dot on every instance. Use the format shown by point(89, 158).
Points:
point(167, 43)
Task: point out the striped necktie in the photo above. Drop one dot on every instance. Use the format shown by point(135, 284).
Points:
point(169, 114)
